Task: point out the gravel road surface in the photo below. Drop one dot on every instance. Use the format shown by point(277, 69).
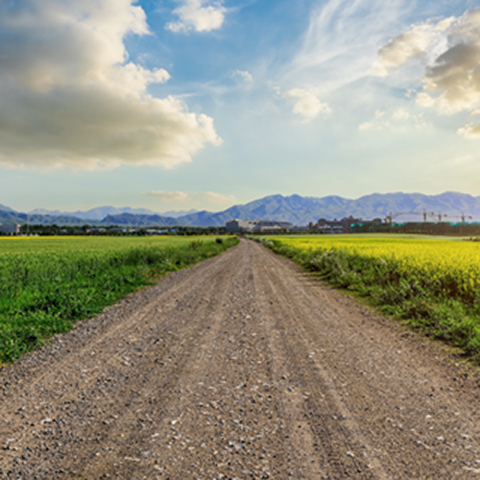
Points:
point(240, 367)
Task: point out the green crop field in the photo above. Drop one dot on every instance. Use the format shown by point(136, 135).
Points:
point(432, 282)
point(48, 283)
point(9, 245)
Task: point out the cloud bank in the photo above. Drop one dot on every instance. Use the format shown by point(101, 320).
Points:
point(69, 96)
point(451, 49)
point(194, 16)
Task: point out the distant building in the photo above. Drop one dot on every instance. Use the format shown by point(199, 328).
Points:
point(260, 226)
point(301, 229)
point(156, 231)
point(9, 229)
point(336, 226)
point(268, 229)
point(239, 226)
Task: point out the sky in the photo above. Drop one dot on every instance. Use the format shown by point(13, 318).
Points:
point(180, 104)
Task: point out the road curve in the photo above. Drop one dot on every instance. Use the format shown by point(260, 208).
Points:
point(240, 367)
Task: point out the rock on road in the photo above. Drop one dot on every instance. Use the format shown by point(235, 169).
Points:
point(239, 367)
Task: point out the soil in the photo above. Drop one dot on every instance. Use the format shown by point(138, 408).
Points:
point(239, 367)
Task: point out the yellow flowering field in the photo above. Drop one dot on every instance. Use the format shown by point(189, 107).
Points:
point(433, 282)
point(435, 256)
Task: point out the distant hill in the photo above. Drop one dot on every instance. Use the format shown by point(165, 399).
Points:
point(94, 214)
point(4, 208)
point(178, 213)
point(23, 218)
point(302, 210)
point(129, 219)
point(295, 209)
point(8, 216)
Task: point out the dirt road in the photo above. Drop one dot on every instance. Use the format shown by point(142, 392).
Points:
point(239, 367)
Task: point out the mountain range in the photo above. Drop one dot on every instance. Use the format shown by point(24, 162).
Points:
point(295, 209)
point(99, 213)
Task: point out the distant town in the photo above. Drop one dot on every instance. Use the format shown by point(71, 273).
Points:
point(345, 225)
point(449, 213)
point(357, 225)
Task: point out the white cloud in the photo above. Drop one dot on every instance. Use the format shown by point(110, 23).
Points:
point(397, 121)
point(243, 74)
point(307, 105)
point(70, 97)
point(342, 39)
point(219, 198)
point(400, 114)
point(198, 197)
point(413, 43)
point(424, 100)
point(451, 81)
point(193, 15)
point(363, 127)
point(470, 131)
point(169, 196)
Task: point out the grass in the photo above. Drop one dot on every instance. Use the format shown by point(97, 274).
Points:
point(47, 284)
point(11, 245)
point(431, 283)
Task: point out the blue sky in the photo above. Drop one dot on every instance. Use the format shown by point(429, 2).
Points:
point(178, 104)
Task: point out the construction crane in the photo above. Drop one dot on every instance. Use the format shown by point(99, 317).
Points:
point(437, 217)
point(389, 218)
point(463, 217)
